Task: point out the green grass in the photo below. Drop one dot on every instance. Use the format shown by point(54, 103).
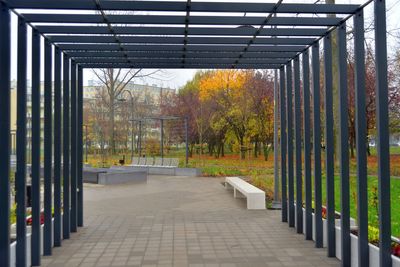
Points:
point(394, 150)
point(215, 171)
point(372, 210)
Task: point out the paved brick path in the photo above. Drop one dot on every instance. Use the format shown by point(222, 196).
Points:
point(180, 221)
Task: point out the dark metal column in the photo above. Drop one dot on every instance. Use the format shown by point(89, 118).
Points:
point(74, 152)
point(276, 204)
point(48, 158)
point(187, 141)
point(66, 149)
point(382, 126)
point(5, 52)
point(80, 146)
point(317, 147)
point(361, 140)
point(329, 147)
point(20, 175)
point(57, 147)
point(36, 146)
point(307, 145)
point(297, 116)
point(283, 143)
point(289, 116)
point(344, 147)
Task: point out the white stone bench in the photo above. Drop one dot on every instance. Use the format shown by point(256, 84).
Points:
point(255, 196)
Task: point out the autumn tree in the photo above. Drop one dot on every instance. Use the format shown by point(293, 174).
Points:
point(261, 91)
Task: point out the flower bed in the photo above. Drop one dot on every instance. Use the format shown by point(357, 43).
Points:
point(373, 238)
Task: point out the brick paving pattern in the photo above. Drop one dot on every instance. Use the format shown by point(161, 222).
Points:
point(180, 221)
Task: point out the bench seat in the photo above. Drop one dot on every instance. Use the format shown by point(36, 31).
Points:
point(255, 196)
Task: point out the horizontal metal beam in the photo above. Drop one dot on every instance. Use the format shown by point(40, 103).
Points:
point(177, 40)
point(189, 54)
point(181, 6)
point(240, 31)
point(178, 66)
point(179, 60)
point(194, 20)
point(194, 48)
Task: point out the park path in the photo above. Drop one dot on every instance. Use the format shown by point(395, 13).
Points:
point(180, 221)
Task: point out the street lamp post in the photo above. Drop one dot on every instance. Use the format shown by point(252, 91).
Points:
point(122, 100)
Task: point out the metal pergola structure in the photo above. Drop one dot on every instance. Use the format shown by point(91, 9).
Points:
point(191, 34)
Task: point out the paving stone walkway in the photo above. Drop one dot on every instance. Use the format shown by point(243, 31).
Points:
point(180, 221)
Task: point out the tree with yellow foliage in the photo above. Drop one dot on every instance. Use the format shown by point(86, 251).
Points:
point(226, 89)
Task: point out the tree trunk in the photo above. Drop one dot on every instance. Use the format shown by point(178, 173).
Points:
point(266, 152)
point(351, 147)
point(112, 120)
point(242, 150)
point(218, 151)
point(368, 149)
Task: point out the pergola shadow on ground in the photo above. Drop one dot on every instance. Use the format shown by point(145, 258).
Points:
point(164, 34)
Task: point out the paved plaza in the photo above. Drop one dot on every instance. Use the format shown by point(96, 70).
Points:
point(180, 221)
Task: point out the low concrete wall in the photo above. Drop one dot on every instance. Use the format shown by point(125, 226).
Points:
point(156, 170)
point(91, 175)
point(115, 175)
point(192, 172)
point(161, 171)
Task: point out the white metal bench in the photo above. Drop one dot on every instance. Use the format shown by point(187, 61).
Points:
point(255, 196)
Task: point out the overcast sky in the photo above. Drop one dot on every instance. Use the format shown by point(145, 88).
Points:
point(177, 78)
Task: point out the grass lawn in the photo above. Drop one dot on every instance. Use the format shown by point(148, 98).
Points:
point(372, 195)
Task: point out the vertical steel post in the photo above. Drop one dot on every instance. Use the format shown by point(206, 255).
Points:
point(66, 149)
point(162, 141)
point(57, 147)
point(5, 52)
point(36, 235)
point(329, 146)
point(307, 145)
point(186, 141)
point(297, 116)
point(276, 204)
point(20, 176)
point(80, 147)
point(283, 143)
point(382, 126)
point(74, 150)
point(317, 146)
point(48, 158)
point(289, 121)
point(361, 140)
point(344, 147)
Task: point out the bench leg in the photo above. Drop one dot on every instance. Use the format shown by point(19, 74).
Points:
point(238, 194)
point(256, 202)
point(228, 186)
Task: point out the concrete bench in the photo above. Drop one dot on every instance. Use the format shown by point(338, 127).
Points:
point(255, 196)
point(156, 162)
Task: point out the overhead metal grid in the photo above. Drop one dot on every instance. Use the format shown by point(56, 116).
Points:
point(137, 34)
point(191, 34)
